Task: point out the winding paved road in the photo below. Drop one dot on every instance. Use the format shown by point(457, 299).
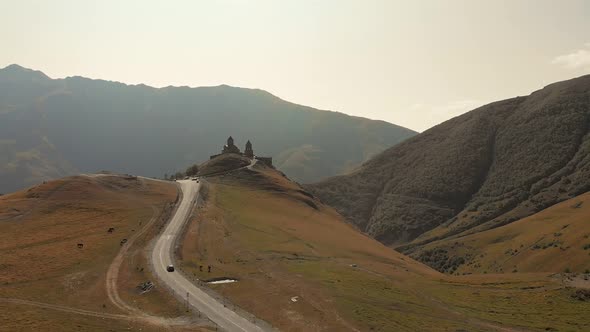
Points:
point(163, 254)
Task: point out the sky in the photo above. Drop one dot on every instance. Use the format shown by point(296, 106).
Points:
point(412, 63)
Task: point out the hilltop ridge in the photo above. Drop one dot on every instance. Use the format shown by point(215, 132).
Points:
point(20, 73)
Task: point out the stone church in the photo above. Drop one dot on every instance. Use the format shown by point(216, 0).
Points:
point(230, 147)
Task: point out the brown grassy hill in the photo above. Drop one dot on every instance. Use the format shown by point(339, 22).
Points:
point(47, 283)
point(302, 268)
point(223, 163)
point(556, 239)
point(481, 170)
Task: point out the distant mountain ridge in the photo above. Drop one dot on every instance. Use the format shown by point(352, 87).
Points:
point(478, 171)
point(50, 128)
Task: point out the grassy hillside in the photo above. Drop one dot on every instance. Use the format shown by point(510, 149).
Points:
point(48, 283)
point(55, 127)
point(302, 268)
point(556, 239)
point(223, 163)
point(481, 170)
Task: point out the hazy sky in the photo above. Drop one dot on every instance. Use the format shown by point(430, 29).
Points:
point(413, 63)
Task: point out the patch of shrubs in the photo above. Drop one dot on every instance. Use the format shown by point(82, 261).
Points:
point(439, 260)
point(543, 246)
point(511, 252)
point(582, 295)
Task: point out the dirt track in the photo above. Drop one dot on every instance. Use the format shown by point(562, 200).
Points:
point(113, 271)
point(67, 309)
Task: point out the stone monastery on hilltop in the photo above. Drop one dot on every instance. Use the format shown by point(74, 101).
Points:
point(230, 147)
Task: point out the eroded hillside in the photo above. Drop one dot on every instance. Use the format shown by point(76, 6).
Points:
point(484, 169)
point(556, 240)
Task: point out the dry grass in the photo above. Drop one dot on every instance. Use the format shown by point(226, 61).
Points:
point(40, 261)
point(223, 163)
point(14, 318)
point(248, 236)
point(280, 247)
point(556, 239)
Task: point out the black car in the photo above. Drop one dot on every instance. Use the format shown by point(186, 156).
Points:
point(170, 268)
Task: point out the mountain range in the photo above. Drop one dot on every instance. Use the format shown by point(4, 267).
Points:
point(50, 128)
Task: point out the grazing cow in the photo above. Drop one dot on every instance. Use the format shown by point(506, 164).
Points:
point(111, 229)
point(80, 245)
point(123, 241)
point(209, 268)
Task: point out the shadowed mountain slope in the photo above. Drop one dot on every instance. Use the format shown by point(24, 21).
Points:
point(481, 170)
point(54, 127)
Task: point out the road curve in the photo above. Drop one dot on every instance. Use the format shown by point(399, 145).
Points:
point(162, 256)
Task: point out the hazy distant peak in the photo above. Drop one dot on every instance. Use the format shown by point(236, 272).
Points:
point(16, 72)
point(235, 88)
point(15, 67)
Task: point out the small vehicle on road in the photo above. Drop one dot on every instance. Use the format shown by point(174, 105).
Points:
point(170, 268)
